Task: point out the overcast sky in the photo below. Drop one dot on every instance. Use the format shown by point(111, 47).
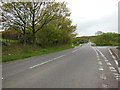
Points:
point(94, 15)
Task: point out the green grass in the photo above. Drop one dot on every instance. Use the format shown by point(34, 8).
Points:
point(11, 41)
point(118, 47)
point(15, 52)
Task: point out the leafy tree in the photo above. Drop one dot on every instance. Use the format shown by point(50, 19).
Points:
point(99, 33)
point(48, 36)
point(10, 35)
point(107, 39)
point(80, 40)
point(32, 16)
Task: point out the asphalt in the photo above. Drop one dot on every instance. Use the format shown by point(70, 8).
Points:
point(79, 67)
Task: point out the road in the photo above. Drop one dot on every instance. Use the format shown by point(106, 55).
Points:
point(80, 67)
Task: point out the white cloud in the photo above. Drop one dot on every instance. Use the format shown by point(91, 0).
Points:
point(93, 15)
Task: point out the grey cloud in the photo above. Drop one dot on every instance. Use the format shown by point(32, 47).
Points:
point(107, 23)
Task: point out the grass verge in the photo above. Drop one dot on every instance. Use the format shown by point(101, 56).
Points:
point(118, 48)
point(20, 52)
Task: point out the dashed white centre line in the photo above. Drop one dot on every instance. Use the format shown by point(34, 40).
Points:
point(74, 51)
point(46, 62)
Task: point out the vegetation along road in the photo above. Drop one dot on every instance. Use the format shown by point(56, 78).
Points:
point(48, 52)
point(80, 67)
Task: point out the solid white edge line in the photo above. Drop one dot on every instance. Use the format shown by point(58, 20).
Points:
point(46, 62)
point(101, 53)
point(116, 62)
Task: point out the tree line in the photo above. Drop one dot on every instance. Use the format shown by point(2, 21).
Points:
point(100, 39)
point(41, 23)
point(103, 39)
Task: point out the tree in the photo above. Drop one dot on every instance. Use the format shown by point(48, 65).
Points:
point(48, 36)
point(99, 33)
point(15, 16)
point(106, 39)
point(32, 16)
point(56, 33)
point(67, 30)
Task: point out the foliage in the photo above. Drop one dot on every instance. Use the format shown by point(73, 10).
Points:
point(99, 33)
point(32, 17)
point(10, 34)
point(106, 39)
point(14, 52)
point(80, 40)
point(118, 48)
point(48, 36)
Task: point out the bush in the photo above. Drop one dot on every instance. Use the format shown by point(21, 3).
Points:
point(10, 34)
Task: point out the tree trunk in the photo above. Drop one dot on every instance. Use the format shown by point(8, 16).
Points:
point(33, 39)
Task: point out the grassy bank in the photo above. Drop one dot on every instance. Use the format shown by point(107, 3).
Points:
point(16, 51)
point(118, 48)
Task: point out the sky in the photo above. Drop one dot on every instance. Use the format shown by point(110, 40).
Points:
point(91, 16)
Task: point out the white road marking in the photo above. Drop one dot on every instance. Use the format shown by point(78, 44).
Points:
point(101, 53)
point(108, 63)
point(119, 69)
point(46, 62)
point(98, 58)
point(104, 86)
point(109, 51)
point(74, 51)
point(59, 57)
point(106, 60)
point(116, 55)
point(112, 68)
point(117, 76)
point(100, 68)
point(2, 77)
point(116, 62)
point(100, 63)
